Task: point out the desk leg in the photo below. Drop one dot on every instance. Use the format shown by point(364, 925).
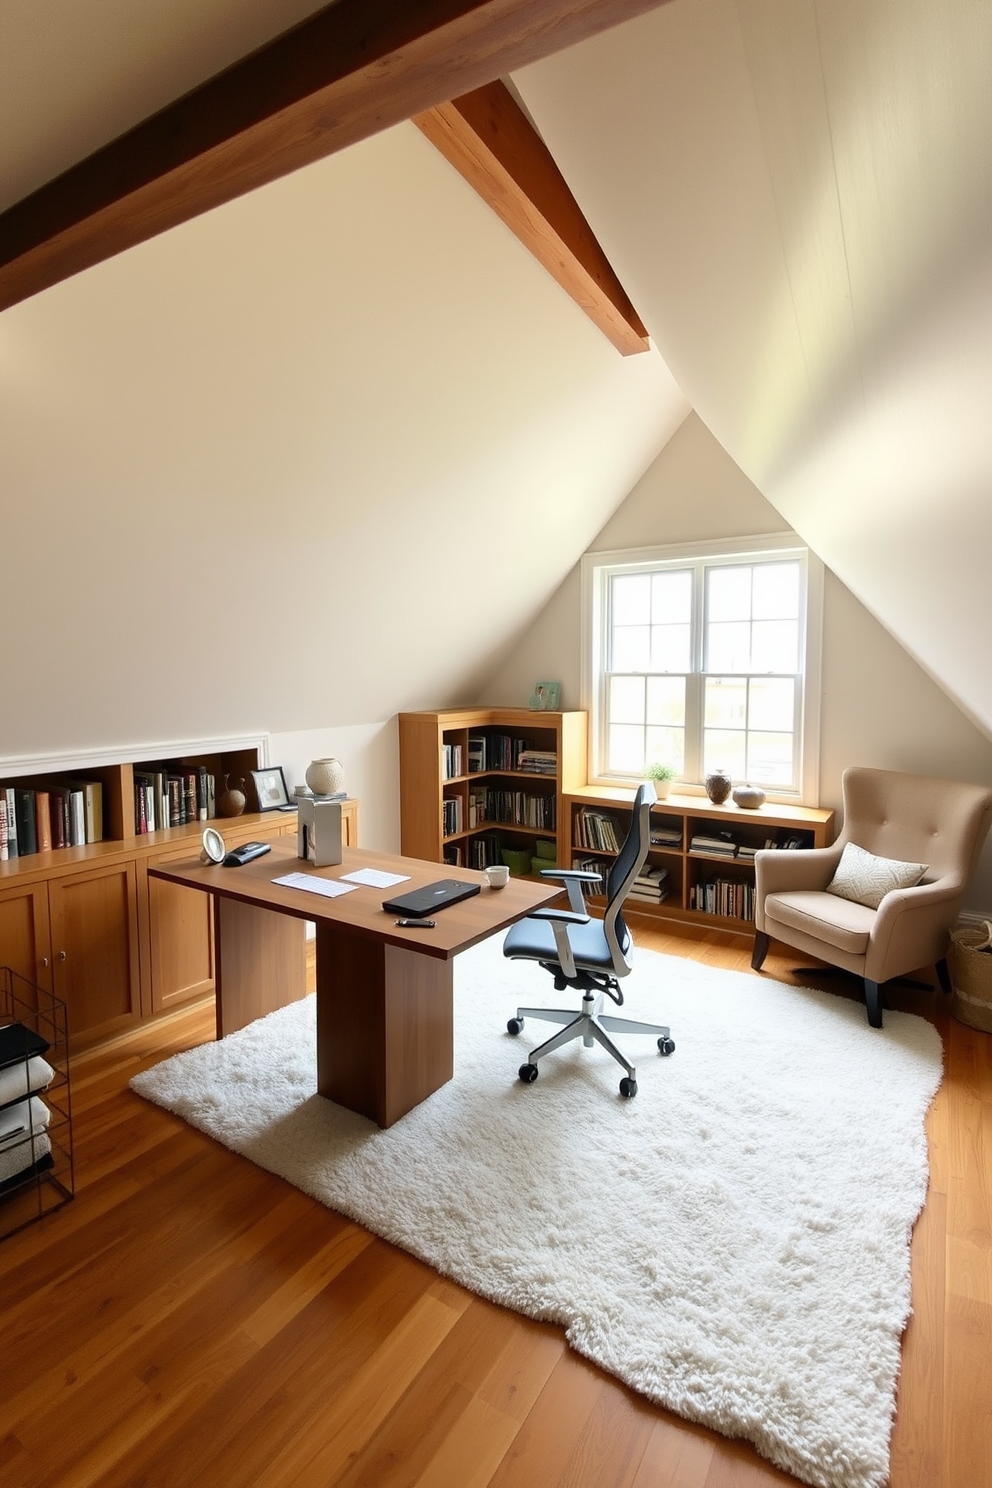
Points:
point(385, 1024)
point(261, 962)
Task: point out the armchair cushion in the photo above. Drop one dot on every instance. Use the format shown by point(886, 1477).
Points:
point(865, 878)
point(836, 922)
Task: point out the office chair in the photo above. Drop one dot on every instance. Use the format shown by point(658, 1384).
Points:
point(587, 954)
point(913, 819)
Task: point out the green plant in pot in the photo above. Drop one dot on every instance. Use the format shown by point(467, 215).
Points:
point(662, 775)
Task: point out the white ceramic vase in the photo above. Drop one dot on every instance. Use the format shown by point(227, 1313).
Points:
point(325, 777)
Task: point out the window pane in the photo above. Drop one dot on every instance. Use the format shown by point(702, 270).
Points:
point(671, 597)
point(728, 594)
point(630, 599)
point(667, 747)
point(626, 748)
point(724, 749)
point(774, 646)
point(728, 647)
point(670, 648)
point(627, 700)
point(772, 703)
point(631, 649)
point(725, 703)
point(666, 700)
point(776, 591)
point(769, 759)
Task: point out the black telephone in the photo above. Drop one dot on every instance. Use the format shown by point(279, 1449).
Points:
point(239, 856)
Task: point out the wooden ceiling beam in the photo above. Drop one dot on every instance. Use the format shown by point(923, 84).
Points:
point(351, 70)
point(490, 141)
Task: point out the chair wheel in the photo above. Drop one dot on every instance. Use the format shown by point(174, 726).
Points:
point(666, 1046)
point(628, 1087)
point(528, 1073)
point(515, 1026)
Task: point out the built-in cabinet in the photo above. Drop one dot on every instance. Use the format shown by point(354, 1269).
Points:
point(462, 771)
point(700, 867)
point(89, 924)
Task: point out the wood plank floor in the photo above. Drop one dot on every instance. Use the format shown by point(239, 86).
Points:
point(191, 1320)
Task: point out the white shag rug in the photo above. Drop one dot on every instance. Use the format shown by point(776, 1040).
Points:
point(733, 1242)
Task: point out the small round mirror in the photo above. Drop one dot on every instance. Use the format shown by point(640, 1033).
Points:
point(214, 850)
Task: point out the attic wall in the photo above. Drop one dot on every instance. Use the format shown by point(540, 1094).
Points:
point(878, 706)
point(298, 465)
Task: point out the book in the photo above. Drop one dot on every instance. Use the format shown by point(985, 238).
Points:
point(58, 811)
point(177, 814)
point(92, 807)
point(201, 793)
point(77, 818)
point(27, 838)
point(12, 848)
point(4, 846)
point(42, 821)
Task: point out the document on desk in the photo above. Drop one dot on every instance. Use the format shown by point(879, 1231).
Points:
point(375, 878)
point(331, 888)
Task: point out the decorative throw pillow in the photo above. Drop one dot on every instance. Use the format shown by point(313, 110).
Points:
point(866, 879)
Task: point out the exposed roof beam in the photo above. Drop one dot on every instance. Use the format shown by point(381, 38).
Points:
point(490, 141)
point(351, 70)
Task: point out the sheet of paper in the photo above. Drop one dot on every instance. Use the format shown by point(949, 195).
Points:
point(375, 878)
point(331, 888)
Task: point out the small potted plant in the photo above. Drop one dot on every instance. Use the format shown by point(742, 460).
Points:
point(662, 775)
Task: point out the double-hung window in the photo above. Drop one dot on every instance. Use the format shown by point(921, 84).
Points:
point(706, 658)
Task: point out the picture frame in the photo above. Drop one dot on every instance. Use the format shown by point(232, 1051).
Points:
point(271, 789)
point(544, 698)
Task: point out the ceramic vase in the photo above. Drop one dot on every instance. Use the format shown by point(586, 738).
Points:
point(718, 786)
point(231, 801)
point(749, 797)
point(325, 777)
point(661, 789)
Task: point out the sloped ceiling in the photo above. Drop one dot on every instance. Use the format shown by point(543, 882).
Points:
point(797, 194)
point(308, 459)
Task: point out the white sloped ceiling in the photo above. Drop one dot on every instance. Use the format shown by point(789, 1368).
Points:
point(798, 196)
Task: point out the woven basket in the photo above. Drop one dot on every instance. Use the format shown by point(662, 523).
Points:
point(971, 977)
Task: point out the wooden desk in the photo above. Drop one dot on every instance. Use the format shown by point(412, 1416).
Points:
point(385, 1035)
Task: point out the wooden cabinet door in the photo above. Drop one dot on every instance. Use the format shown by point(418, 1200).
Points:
point(94, 923)
point(25, 945)
point(180, 940)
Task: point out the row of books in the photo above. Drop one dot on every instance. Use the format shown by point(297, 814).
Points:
point(451, 760)
point(451, 815)
point(33, 821)
point(507, 752)
point(519, 808)
point(173, 797)
point(717, 844)
point(597, 829)
point(667, 833)
point(731, 898)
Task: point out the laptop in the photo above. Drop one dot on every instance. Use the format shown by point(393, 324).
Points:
point(433, 896)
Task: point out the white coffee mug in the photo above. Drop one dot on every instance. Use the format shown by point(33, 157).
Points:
point(498, 875)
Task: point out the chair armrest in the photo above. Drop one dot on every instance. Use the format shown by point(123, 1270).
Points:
point(566, 916)
point(573, 879)
point(781, 870)
point(912, 927)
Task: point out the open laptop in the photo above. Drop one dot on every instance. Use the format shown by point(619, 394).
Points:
point(433, 896)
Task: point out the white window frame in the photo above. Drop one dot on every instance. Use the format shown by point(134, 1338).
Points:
point(596, 568)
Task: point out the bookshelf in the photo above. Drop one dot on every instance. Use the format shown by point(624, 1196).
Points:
point(87, 923)
point(701, 862)
point(480, 783)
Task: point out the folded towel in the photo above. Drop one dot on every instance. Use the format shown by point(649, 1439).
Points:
point(22, 1078)
point(26, 1119)
point(14, 1160)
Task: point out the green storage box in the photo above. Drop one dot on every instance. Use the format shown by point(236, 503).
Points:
point(545, 849)
point(517, 860)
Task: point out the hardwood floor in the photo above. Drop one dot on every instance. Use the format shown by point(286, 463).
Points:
point(191, 1320)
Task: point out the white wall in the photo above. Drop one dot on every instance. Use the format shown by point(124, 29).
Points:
point(298, 465)
point(878, 706)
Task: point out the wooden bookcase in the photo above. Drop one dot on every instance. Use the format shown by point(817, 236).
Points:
point(88, 924)
point(696, 877)
point(444, 785)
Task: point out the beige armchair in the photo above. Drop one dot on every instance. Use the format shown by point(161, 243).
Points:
point(913, 818)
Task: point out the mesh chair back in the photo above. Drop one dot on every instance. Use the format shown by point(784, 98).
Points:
point(620, 880)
